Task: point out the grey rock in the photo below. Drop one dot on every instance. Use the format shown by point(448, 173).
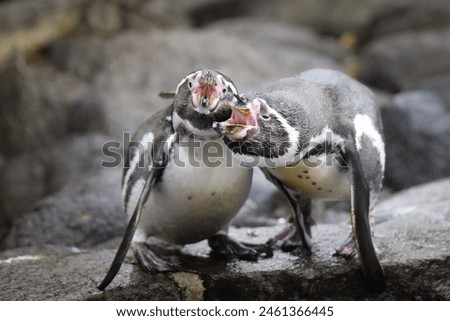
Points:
point(69, 55)
point(75, 277)
point(27, 178)
point(202, 14)
point(439, 85)
point(83, 214)
point(38, 105)
point(404, 16)
point(103, 16)
point(271, 36)
point(328, 17)
point(417, 134)
point(404, 61)
point(142, 14)
point(84, 116)
point(45, 250)
point(22, 183)
point(23, 120)
point(28, 25)
point(418, 233)
point(27, 13)
point(413, 241)
point(74, 159)
point(367, 18)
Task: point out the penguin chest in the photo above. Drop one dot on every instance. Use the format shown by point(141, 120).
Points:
point(320, 177)
point(195, 198)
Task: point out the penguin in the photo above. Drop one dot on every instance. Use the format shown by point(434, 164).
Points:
point(318, 134)
point(180, 184)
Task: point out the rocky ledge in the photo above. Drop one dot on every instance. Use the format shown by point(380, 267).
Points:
point(411, 234)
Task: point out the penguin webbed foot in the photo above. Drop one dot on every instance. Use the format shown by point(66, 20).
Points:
point(225, 246)
point(287, 240)
point(152, 262)
point(347, 250)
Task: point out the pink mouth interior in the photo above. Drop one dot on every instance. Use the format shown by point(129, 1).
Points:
point(206, 91)
point(238, 118)
point(210, 92)
point(248, 122)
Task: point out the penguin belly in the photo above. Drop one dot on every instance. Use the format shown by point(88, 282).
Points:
point(321, 177)
point(193, 200)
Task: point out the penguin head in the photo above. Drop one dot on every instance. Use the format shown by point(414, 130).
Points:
point(197, 98)
point(249, 117)
point(255, 128)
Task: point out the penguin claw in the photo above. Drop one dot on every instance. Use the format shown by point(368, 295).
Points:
point(153, 263)
point(263, 250)
point(288, 240)
point(222, 245)
point(346, 252)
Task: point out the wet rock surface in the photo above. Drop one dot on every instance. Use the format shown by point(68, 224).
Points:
point(77, 74)
point(414, 253)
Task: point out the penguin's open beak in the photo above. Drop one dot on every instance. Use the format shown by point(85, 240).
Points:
point(206, 96)
point(241, 120)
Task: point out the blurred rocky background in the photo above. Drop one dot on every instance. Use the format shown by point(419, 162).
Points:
point(75, 74)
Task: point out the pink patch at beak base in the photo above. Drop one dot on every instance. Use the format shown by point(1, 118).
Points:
point(241, 121)
point(206, 96)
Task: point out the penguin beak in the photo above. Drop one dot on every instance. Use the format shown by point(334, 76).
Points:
point(207, 93)
point(206, 96)
point(241, 120)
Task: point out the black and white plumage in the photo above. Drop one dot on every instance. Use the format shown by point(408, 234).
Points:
point(174, 187)
point(318, 133)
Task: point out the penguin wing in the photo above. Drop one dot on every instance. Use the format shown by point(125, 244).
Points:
point(360, 196)
point(158, 154)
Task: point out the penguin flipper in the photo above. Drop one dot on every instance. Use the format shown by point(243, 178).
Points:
point(297, 214)
point(158, 153)
point(155, 174)
point(167, 94)
point(360, 196)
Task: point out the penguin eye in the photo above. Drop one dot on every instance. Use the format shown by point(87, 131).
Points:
point(265, 116)
point(190, 85)
point(224, 91)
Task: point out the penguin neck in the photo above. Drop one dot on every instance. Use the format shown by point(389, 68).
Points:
point(275, 145)
point(187, 131)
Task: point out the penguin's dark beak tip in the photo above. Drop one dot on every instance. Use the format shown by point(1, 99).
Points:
point(240, 99)
point(204, 101)
point(218, 128)
point(222, 112)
